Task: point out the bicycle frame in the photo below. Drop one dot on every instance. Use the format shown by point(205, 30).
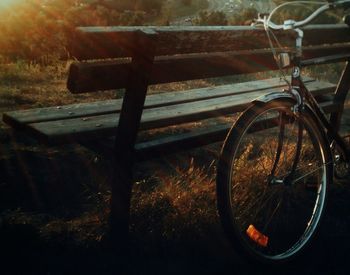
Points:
point(302, 95)
point(272, 188)
point(340, 95)
point(298, 89)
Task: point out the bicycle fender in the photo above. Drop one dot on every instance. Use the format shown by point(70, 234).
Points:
point(272, 96)
point(282, 95)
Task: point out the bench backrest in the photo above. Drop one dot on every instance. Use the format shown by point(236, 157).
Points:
point(186, 53)
point(151, 55)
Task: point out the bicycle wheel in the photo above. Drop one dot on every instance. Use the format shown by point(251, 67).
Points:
point(271, 189)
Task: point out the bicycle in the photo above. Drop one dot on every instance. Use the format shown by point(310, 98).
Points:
point(277, 162)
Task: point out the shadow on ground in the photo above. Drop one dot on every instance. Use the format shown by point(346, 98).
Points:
point(40, 187)
point(23, 251)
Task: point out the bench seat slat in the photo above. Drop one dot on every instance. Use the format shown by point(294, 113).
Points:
point(165, 145)
point(72, 130)
point(174, 143)
point(16, 118)
point(178, 142)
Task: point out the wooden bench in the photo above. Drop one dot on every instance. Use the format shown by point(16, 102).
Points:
point(132, 58)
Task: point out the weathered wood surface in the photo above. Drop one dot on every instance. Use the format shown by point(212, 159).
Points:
point(193, 139)
point(72, 130)
point(154, 100)
point(108, 42)
point(106, 75)
point(179, 142)
point(126, 135)
point(168, 144)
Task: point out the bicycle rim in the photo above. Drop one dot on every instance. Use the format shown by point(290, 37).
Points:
point(272, 217)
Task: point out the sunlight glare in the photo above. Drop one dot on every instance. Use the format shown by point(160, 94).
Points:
point(7, 3)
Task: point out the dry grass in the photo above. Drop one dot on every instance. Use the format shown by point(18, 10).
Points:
point(174, 201)
point(173, 197)
point(179, 202)
point(24, 86)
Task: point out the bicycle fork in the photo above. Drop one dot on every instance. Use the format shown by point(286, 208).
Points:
point(286, 180)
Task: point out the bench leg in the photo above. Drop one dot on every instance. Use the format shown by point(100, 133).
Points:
point(129, 122)
point(120, 203)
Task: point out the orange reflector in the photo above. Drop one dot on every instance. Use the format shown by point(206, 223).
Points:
point(257, 236)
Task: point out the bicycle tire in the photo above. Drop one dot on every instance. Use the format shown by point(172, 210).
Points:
point(273, 223)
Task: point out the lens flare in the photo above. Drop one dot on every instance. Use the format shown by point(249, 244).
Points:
point(9, 3)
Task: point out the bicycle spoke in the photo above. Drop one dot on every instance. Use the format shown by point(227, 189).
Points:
point(276, 219)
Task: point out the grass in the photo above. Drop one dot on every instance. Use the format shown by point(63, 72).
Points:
point(66, 201)
point(176, 9)
point(179, 202)
point(61, 209)
point(24, 72)
point(45, 198)
point(28, 85)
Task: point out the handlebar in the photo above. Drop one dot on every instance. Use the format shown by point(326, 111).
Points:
point(291, 24)
point(265, 20)
point(340, 4)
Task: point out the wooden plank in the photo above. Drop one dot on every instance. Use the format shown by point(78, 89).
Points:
point(181, 142)
point(178, 142)
point(96, 76)
point(327, 59)
point(111, 42)
point(17, 118)
point(166, 145)
point(167, 69)
point(71, 130)
point(107, 75)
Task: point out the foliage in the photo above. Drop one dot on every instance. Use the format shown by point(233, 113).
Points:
point(35, 30)
point(186, 2)
point(27, 33)
point(211, 18)
point(301, 11)
point(175, 9)
point(293, 11)
point(245, 17)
